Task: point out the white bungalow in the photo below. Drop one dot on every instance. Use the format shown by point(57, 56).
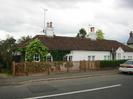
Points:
point(88, 48)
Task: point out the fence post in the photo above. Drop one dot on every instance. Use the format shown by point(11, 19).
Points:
point(25, 69)
point(85, 65)
point(13, 68)
point(99, 65)
point(79, 65)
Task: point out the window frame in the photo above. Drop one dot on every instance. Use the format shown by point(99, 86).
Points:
point(89, 58)
point(130, 57)
point(105, 57)
point(108, 57)
point(70, 58)
point(65, 58)
point(93, 58)
point(36, 57)
point(49, 58)
point(119, 56)
point(124, 57)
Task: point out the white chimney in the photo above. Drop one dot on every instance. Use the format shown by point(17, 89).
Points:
point(92, 33)
point(48, 25)
point(50, 29)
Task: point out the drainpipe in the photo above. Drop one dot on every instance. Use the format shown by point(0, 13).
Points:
point(113, 54)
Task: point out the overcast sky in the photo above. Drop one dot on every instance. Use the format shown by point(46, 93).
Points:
point(25, 17)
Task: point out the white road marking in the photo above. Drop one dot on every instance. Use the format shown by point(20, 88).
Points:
point(75, 92)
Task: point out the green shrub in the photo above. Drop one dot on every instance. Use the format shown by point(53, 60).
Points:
point(111, 63)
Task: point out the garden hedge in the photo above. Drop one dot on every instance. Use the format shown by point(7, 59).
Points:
point(111, 63)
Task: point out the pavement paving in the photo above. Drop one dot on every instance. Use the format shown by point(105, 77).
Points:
point(19, 80)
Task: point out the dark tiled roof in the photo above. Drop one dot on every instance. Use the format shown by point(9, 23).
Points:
point(73, 43)
point(130, 40)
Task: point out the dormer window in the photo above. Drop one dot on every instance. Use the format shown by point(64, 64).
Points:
point(36, 57)
point(49, 58)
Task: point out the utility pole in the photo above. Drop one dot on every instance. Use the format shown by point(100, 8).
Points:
point(44, 28)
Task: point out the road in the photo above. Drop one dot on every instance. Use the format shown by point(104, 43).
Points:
point(113, 86)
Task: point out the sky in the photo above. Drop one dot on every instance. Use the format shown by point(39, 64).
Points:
point(26, 17)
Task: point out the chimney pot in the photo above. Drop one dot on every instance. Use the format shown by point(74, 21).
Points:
point(47, 24)
point(92, 29)
point(51, 24)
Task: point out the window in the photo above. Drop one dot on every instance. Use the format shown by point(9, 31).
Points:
point(108, 57)
point(36, 57)
point(93, 58)
point(129, 57)
point(65, 58)
point(119, 55)
point(49, 58)
point(89, 58)
point(105, 57)
point(124, 57)
point(70, 58)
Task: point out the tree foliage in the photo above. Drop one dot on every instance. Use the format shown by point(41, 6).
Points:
point(24, 39)
point(82, 33)
point(7, 50)
point(35, 46)
point(59, 54)
point(100, 34)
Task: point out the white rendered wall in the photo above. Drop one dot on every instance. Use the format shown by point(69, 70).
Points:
point(92, 35)
point(50, 31)
point(124, 55)
point(128, 55)
point(120, 54)
point(99, 55)
point(83, 55)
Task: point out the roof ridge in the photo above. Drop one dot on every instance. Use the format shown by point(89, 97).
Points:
point(73, 37)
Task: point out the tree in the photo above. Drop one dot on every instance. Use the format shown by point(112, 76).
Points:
point(8, 48)
point(100, 35)
point(24, 39)
point(35, 46)
point(82, 33)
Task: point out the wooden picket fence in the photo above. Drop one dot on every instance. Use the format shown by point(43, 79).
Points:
point(27, 68)
point(89, 65)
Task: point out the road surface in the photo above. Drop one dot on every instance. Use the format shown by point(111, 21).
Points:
point(113, 86)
